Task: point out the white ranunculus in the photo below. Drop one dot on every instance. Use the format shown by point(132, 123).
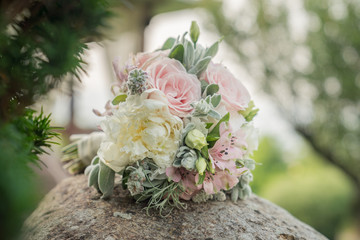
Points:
point(140, 128)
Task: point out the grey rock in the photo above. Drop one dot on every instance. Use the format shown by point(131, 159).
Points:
point(74, 211)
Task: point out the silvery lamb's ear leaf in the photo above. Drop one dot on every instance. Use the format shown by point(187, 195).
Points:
point(235, 194)
point(106, 180)
point(215, 100)
point(194, 32)
point(177, 53)
point(212, 50)
point(199, 53)
point(88, 170)
point(200, 66)
point(204, 84)
point(152, 184)
point(214, 114)
point(168, 44)
point(211, 89)
point(249, 164)
point(93, 175)
point(183, 38)
point(189, 55)
point(95, 160)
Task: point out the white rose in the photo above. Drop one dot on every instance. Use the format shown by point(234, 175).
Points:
point(140, 128)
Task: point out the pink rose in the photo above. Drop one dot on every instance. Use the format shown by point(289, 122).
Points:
point(143, 60)
point(180, 88)
point(234, 95)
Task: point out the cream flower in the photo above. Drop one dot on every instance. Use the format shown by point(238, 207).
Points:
point(141, 128)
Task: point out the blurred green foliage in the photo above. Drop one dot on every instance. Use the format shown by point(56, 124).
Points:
point(305, 55)
point(40, 43)
point(310, 189)
point(311, 73)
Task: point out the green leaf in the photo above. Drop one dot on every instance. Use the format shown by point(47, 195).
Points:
point(211, 89)
point(194, 32)
point(208, 125)
point(215, 100)
point(201, 179)
point(251, 115)
point(118, 99)
point(93, 176)
point(211, 138)
point(169, 43)
point(177, 53)
point(125, 178)
point(205, 152)
point(200, 66)
point(214, 135)
point(106, 180)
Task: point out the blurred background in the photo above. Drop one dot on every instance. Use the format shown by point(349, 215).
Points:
point(299, 60)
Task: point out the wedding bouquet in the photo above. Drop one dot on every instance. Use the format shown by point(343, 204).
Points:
point(179, 127)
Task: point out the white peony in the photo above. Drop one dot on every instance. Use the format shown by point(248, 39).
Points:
point(141, 128)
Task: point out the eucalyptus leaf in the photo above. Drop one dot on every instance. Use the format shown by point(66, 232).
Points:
point(106, 180)
point(177, 53)
point(118, 99)
point(169, 43)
